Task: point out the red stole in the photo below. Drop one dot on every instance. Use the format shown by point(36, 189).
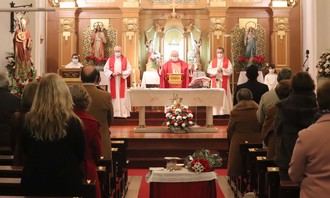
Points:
point(224, 78)
point(167, 68)
point(113, 79)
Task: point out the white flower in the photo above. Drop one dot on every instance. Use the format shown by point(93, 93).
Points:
point(184, 117)
point(327, 70)
point(173, 117)
point(190, 122)
point(190, 115)
point(177, 110)
point(168, 115)
point(167, 123)
point(175, 124)
point(320, 70)
point(178, 117)
point(185, 107)
point(183, 124)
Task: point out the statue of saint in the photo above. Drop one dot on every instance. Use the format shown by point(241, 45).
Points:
point(250, 43)
point(98, 41)
point(22, 49)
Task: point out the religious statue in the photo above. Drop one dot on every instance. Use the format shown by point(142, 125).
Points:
point(98, 40)
point(22, 50)
point(250, 43)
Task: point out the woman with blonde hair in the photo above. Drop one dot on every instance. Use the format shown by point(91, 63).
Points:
point(53, 142)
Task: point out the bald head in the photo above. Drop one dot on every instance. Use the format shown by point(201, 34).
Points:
point(90, 75)
point(117, 50)
point(174, 55)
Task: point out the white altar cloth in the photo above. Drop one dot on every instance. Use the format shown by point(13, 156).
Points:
point(182, 175)
point(142, 97)
point(150, 77)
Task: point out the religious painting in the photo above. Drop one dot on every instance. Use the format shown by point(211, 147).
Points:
point(248, 44)
point(99, 40)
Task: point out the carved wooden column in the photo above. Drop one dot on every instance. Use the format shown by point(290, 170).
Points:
point(130, 47)
point(217, 32)
point(67, 38)
point(281, 38)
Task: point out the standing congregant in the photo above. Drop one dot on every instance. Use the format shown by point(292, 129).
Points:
point(174, 66)
point(219, 70)
point(118, 70)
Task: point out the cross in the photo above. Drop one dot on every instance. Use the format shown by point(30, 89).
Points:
point(173, 8)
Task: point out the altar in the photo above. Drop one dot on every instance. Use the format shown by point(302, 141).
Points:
point(143, 97)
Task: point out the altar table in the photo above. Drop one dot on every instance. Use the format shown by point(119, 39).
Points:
point(181, 183)
point(142, 97)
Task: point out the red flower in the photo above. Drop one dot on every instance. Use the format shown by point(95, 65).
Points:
point(205, 163)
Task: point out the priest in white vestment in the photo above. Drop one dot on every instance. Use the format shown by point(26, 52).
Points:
point(117, 69)
point(220, 70)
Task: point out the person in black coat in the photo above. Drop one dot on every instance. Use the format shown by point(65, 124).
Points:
point(296, 112)
point(257, 88)
point(8, 106)
point(53, 142)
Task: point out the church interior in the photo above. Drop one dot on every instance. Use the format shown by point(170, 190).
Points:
point(194, 96)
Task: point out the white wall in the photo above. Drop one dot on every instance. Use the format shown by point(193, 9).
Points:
point(36, 26)
point(316, 30)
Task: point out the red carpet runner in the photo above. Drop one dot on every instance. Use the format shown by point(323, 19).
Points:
point(144, 187)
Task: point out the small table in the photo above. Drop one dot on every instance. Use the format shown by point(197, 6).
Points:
point(181, 183)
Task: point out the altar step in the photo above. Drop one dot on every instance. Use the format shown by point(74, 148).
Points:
point(147, 152)
point(158, 119)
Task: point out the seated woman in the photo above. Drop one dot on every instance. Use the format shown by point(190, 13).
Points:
point(53, 142)
point(82, 100)
point(243, 126)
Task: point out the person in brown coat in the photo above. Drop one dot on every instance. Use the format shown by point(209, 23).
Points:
point(243, 126)
point(100, 107)
point(310, 161)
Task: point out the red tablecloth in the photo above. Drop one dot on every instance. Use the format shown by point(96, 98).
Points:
point(204, 189)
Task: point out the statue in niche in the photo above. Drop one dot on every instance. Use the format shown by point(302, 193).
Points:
point(250, 43)
point(22, 49)
point(98, 41)
point(153, 57)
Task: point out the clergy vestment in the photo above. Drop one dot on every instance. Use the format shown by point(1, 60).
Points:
point(118, 84)
point(271, 80)
point(175, 67)
point(221, 80)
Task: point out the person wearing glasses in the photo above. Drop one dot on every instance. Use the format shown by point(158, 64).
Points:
point(220, 70)
point(117, 69)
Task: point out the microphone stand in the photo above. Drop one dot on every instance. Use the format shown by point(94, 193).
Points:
point(306, 59)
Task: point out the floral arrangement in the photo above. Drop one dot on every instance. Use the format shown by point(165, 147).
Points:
point(203, 161)
point(17, 83)
point(257, 60)
point(323, 65)
point(178, 116)
point(96, 60)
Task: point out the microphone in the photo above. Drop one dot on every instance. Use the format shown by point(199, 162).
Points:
point(307, 56)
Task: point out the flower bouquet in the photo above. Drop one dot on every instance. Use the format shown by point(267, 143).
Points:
point(257, 60)
point(203, 161)
point(323, 65)
point(178, 117)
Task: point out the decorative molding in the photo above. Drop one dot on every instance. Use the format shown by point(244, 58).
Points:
point(131, 3)
point(66, 27)
point(217, 3)
point(217, 26)
point(131, 27)
point(281, 26)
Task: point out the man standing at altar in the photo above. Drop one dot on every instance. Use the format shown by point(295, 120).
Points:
point(174, 66)
point(220, 70)
point(118, 69)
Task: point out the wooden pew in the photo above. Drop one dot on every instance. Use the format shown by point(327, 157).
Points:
point(122, 171)
point(105, 176)
point(250, 166)
point(6, 159)
point(12, 187)
point(277, 188)
point(262, 163)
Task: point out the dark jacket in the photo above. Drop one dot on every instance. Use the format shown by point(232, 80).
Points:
point(257, 89)
point(54, 167)
point(295, 113)
point(8, 106)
